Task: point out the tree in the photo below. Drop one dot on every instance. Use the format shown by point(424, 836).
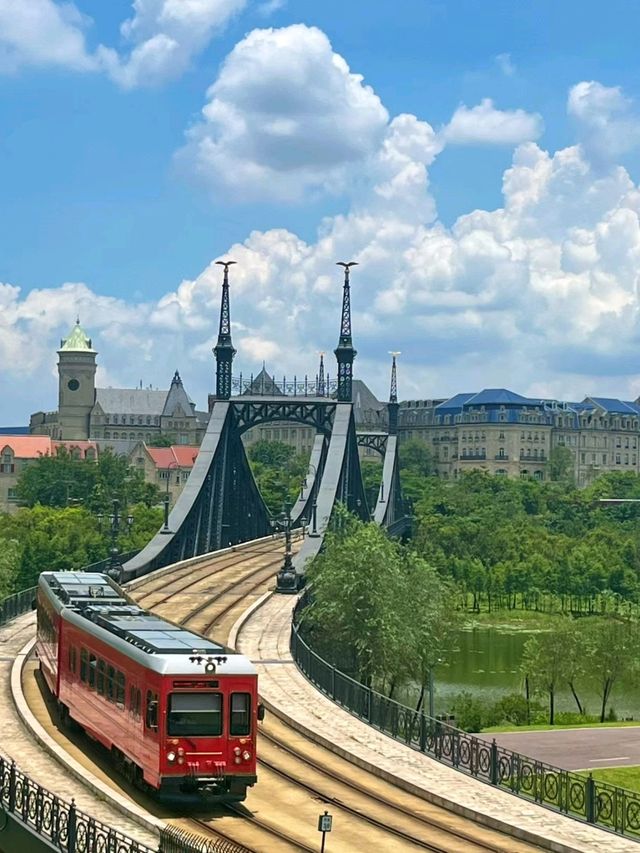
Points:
point(371, 477)
point(10, 557)
point(561, 464)
point(613, 649)
point(63, 479)
point(416, 458)
point(544, 662)
point(166, 440)
point(360, 600)
point(431, 621)
point(272, 454)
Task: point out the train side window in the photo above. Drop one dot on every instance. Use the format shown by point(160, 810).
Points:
point(151, 716)
point(84, 662)
point(100, 678)
point(240, 714)
point(72, 658)
point(138, 702)
point(120, 689)
point(111, 683)
point(92, 671)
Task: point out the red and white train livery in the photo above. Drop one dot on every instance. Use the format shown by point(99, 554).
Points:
point(177, 711)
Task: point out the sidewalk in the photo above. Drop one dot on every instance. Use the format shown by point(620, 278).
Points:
point(264, 638)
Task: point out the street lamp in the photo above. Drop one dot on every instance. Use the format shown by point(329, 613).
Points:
point(287, 580)
point(115, 519)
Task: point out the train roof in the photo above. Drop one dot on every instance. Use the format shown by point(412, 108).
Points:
point(89, 599)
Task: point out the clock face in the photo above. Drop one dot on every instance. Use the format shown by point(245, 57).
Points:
point(73, 385)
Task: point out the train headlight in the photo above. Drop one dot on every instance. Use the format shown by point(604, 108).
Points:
point(237, 750)
point(246, 755)
point(171, 757)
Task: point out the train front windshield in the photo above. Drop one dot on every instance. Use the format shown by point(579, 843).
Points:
point(195, 715)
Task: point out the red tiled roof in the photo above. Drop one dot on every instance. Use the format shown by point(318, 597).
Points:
point(176, 456)
point(32, 446)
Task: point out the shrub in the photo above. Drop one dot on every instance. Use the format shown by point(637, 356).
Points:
point(469, 712)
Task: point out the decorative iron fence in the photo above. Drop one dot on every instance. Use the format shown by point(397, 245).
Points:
point(264, 386)
point(581, 797)
point(61, 823)
point(176, 840)
point(17, 604)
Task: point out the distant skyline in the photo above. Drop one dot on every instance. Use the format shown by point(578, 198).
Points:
point(479, 161)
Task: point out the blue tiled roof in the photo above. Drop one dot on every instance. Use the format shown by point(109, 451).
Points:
point(454, 404)
point(617, 407)
point(500, 397)
point(14, 430)
point(634, 405)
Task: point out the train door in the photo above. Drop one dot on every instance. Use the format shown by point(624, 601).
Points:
point(151, 757)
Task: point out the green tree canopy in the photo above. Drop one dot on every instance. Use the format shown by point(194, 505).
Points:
point(63, 480)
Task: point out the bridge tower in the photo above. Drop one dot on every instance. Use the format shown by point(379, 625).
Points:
point(393, 405)
point(345, 352)
point(223, 350)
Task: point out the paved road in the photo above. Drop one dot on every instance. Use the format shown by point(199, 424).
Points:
point(576, 749)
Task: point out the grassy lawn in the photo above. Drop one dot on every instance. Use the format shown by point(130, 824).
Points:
point(623, 777)
point(548, 728)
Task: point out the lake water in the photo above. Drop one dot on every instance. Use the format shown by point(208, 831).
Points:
point(486, 662)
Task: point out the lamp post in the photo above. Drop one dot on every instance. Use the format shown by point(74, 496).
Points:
point(167, 498)
point(287, 580)
point(115, 519)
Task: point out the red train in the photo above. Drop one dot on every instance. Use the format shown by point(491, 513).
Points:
point(177, 711)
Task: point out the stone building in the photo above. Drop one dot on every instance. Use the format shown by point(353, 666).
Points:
point(168, 468)
point(115, 417)
point(499, 431)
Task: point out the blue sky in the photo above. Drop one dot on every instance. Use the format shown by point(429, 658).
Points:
point(117, 192)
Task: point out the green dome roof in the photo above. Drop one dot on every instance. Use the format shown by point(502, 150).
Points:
point(77, 339)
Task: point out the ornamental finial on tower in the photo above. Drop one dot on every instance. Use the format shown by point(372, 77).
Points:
point(321, 384)
point(223, 350)
point(345, 353)
point(392, 405)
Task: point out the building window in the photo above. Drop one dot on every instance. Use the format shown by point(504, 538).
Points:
point(12, 495)
point(626, 458)
point(604, 458)
point(617, 458)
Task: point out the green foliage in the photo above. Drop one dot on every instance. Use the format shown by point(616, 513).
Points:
point(509, 543)
point(51, 539)
point(561, 464)
point(371, 477)
point(166, 440)
point(469, 712)
point(63, 480)
point(379, 610)
point(279, 472)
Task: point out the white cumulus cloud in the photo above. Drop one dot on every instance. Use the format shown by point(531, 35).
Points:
point(540, 294)
point(42, 33)
point(608, 123)
point(285, 115)
point(165, 36)
point(486, 125)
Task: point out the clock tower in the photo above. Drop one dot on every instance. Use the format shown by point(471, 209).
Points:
point(76, 384)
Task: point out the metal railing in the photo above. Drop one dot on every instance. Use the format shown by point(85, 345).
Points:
point(17, 604)
point(265, 386)
point(176, 840)
point(58, 821)
point(581, 797)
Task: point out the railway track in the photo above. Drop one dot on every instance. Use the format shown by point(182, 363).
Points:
point(308, 778)
point(298, 779)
